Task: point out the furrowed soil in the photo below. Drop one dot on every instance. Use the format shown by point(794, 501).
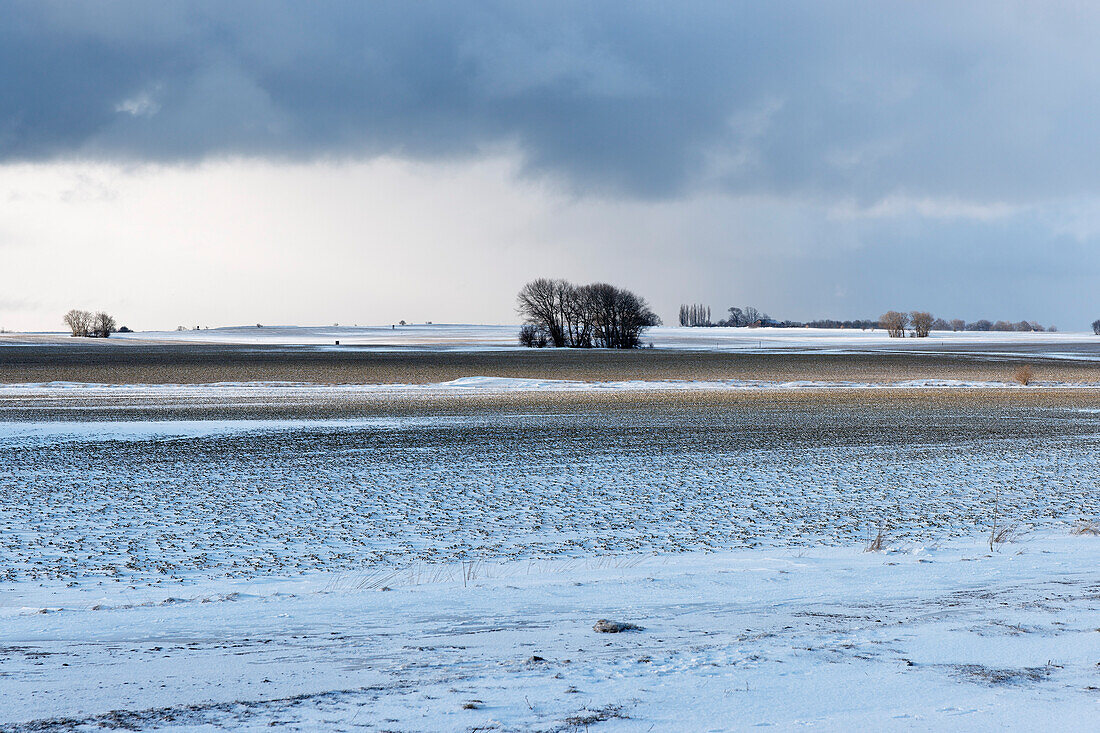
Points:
point(127, 362)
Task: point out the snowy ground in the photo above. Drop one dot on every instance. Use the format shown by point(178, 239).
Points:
point(493, 337)
point(913, 638)
point(425, 571)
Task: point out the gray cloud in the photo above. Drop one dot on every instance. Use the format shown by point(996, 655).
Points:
point(977, 101)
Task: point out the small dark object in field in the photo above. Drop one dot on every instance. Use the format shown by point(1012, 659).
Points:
point(587, 717)
point(471, 705)
point(536, 658)
point(604, 626)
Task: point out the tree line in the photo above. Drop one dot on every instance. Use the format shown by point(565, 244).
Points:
point(921, 323)
point(699, 315)
point(558, 313)
point(916, 323)
point(84, 323)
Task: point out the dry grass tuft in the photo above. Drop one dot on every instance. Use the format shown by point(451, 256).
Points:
point(877, 543)
point(1024, 374)
point(1086, 527)
point(589, 717)
point(1007, 533)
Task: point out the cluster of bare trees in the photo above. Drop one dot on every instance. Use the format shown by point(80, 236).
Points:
point(559, 313)
point(1096, 326)
point(747, 316)
point(895, 323)
point(695, 315)
point(84, 323)
point(921, 323)
point(699, 315)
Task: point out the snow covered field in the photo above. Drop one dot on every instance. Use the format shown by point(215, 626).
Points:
point(915, 638)
point(490, 337)
point(444, 571)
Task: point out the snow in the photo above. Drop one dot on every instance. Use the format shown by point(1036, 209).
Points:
point(444, 572)
point(72, 392)
point(468, 337)
point(948, 637)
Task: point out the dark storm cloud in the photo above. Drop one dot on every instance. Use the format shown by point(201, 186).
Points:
point(979, 101)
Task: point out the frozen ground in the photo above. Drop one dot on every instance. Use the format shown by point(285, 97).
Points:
point(443, 571)
point(211, 574)
point(914, 638)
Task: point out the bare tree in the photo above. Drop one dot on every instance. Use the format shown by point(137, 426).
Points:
point(894, 323)
point(695, 315)
point(541, 303)
point(80, 322)
point(957, 324)
point(940, 325)
point(1096, 327)
point(921, 322)
point(532, 336)
point(103, 325)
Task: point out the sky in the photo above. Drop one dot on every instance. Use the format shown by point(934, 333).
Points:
point(212, 163)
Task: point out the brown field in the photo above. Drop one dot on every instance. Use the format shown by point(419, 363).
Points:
point(122, 362)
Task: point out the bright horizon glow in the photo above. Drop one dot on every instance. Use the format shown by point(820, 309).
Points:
point(214, 164)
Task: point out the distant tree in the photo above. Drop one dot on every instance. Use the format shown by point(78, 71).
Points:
point(752, 315)
point(542, 303)
point(590, 315)
point(532, 336)
point(124, 329)
point(103, 325)
point(1096, 327)
point(921, 322)
point(894, 323)
point(618, 317)
point(79, 322)
point(1052, 328)
point(736, 317)
point(980, 325)
point(695, 315)
point(830, 323)
point(1003, 326)
point(940, 325)
point(957, 324)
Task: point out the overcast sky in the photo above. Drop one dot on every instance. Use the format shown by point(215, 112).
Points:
point(222, 163)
